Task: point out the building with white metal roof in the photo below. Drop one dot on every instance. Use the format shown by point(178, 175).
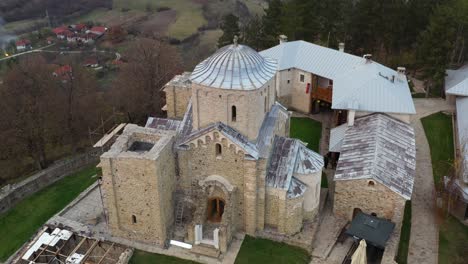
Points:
point(358, 83)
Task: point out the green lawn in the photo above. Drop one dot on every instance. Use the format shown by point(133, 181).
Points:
point(307, 130)
point(257, 250)
point(141, 257)
point(453, 241)
point(21, 222)
point(402, 255)
point(438, 128)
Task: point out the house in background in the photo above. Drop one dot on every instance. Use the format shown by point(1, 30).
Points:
point(456, 89)
point(23, 44)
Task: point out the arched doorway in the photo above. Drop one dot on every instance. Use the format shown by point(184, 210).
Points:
point(215, 209)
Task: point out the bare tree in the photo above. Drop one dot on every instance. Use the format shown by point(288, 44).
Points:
point(151, 64)
point(31, 109)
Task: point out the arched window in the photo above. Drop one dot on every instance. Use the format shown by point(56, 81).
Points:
point(133, 219)
point(265, 104)
point(233, 113)
point(371, 183)
point(219, 150)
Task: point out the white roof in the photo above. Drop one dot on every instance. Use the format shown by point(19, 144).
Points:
point(336, 137)
point(456, 81)
point(462, 127)
point(48, 240)
point(356, 84)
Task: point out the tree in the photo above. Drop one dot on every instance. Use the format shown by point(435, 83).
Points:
point(437, 42)
point(230, 27)
point(252, 33)
point(31, 109)
point(270, 24)
point(151, 64)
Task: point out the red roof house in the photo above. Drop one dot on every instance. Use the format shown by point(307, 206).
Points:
point(98, 30)
point(23, 44)
point(63, 72)
point(59, 30)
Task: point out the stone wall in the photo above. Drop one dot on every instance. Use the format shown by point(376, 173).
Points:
point(201, 161)
point(312, 194)
point(282, 213)
point(10, 195)
point(300, 100)
point(138, 192)
point(177, 99)
point(370, 196)
point(211, 105)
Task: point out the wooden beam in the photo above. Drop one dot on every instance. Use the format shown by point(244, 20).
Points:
point(89, 251)
point(107, 251)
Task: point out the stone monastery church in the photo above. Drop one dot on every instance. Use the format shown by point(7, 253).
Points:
point(223, 161)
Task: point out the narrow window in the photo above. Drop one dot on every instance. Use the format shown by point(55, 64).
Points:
point(265, 104)
point(219, 150)
point(302, 77)
point(233, 113)
point(289, 81)
point(134, 219)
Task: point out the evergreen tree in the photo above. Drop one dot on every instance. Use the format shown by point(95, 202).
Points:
point(271, 24)
point(230, 27)
point(252, 33)
point(436, 43)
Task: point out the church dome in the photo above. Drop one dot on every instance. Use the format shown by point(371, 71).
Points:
point(236, 67)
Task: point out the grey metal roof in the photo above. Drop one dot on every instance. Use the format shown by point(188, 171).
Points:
point(181, 80)
point(296, 188)
point(456, 81)
point(356, 84)
point(462, 130)
point(373, 87)
point(382, 148)
point(230, 133)
point(162, 123)
point(336, 137)
point(374, 230)
point(235, 67)
point(290, 156)
point(277, 116)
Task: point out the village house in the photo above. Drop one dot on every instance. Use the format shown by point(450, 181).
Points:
point(79, 33)
point(23, 44)
point(456, 89)
point(223, 161)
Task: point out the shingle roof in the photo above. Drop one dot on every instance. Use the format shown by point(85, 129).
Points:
point(382, 148)
point(456, 81)
point(235, 67)
point(162, 123)
point(336, 137)
point(356, 84)
point(290, 156)
point(233, 135)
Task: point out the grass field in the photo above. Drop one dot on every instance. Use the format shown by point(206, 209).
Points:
point(402, 255)
point(141, 257)
point(189, 14)
point(439, 133)
point(24, 25)
point(257, 250)
point(307, 130)
point(453, 241)
point(21, 222)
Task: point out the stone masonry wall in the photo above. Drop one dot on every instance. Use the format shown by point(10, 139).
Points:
point(177, 99)
point(376, 198)
point(141, 188)
point(212, 105)
point(300, 100)
point(10, 195)
point(201, 161)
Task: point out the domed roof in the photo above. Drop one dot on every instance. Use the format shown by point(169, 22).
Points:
point(235, 67)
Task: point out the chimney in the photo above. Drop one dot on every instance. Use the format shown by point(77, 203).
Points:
point(282, 39)
point(401, 73)
point(368, 57)
point(341, 46)
point(351, 116)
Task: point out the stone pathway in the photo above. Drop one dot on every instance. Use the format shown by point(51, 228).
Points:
point(424, 240)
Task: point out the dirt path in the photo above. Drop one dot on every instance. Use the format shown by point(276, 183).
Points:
point(424, 240)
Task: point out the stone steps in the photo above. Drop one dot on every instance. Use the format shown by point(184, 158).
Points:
point(206, 250)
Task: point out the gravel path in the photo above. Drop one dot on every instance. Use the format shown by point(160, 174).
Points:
point(424, 240)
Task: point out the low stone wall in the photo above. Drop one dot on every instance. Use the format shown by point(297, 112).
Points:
point(11, 194)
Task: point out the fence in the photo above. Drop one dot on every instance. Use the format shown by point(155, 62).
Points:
point(11, 194)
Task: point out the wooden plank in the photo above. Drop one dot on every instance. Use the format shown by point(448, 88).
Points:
point(107, 251)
